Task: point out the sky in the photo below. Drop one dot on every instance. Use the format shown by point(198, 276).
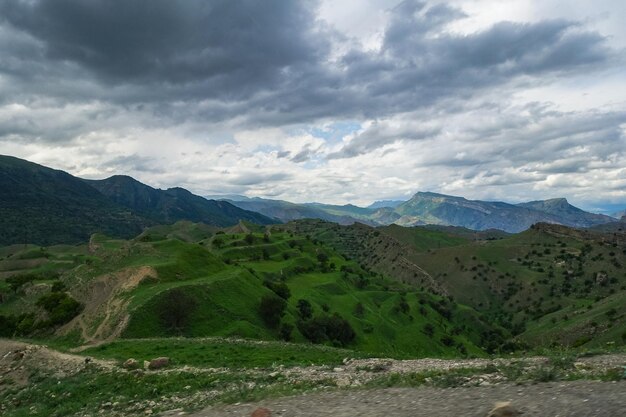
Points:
point(329, 101)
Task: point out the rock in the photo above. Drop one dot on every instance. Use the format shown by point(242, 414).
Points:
point(261, 412)
point(131, 364)
point(338, 369)
point(159, 363)
point(19, 355)
point(503, 409)
point(146, 364)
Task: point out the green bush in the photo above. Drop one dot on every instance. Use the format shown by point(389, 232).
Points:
point(305, 310)
point(175, 310)
point(272, 308)
point(279, 288)
point(324, 328)
point(60, 307)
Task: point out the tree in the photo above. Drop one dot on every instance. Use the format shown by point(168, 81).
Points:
point(176, 309)
point(285, 331)
point(279, 288)
point(60, 307)
point(359, 310)
point(322, 258)
point(272, 309)
point(249, 238)
point(327, 328)
point(305, 310)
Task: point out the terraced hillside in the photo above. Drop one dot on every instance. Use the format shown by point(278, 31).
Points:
point(193, 280)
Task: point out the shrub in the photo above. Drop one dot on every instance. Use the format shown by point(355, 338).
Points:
point(285, 331)
point(428, 329)
point(175, 310)
point(272, 308)
point(328, 328)
point(305, 310)
point(60, 307)
point(359, 310)
point(279, 288)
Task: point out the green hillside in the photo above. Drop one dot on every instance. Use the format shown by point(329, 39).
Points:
point(173, 204)
point(46, 206)
point(391, 291)
point(548, 285)
point(221, 278)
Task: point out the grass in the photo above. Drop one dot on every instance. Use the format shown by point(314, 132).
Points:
point(219, 353)
point(123, 393)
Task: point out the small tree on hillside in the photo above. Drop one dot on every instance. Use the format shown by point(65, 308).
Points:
point(272, 309)
point(175, 310)
point(305, 310)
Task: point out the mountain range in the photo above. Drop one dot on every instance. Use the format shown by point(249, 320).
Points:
point(46, 206)
point(436, 209)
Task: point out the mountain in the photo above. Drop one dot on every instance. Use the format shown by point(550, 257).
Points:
point(348, 210)
point(426, 208)
point(432, 208)
point(619, 214)
point(568, 214)
point(385, 203)
point(47, 206)
point(286, 211)
point(173, 204)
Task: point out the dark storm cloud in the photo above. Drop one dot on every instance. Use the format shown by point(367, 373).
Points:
point(268, 63)
point(134, 41)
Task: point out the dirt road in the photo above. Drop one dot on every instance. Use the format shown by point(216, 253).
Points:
point(562, 399)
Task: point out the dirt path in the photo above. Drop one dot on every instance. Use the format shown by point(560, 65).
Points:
point(562, 399)
point(17, 359)
point(105, 306)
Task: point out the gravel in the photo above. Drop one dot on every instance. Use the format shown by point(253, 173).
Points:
point(557, 399)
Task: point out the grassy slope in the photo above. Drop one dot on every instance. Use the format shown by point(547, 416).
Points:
point(226, 284)
point(543, 286)
point(536, 281)
point(549, 284)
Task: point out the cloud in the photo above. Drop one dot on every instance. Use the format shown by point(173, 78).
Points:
point(270, 63)
point(250, 97)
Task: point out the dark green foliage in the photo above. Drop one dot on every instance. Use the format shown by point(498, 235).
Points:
point(272, 309)
point(305, 310)
point(17, 281)
point(176, 309)
point(402, 306)
point(8, 325)
point(359, 310)
point(322, 258)
point(60, 307)
point(428, 329)
point(279, 288)
point(332, 328)
point(447, 340)
point(285, 331)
